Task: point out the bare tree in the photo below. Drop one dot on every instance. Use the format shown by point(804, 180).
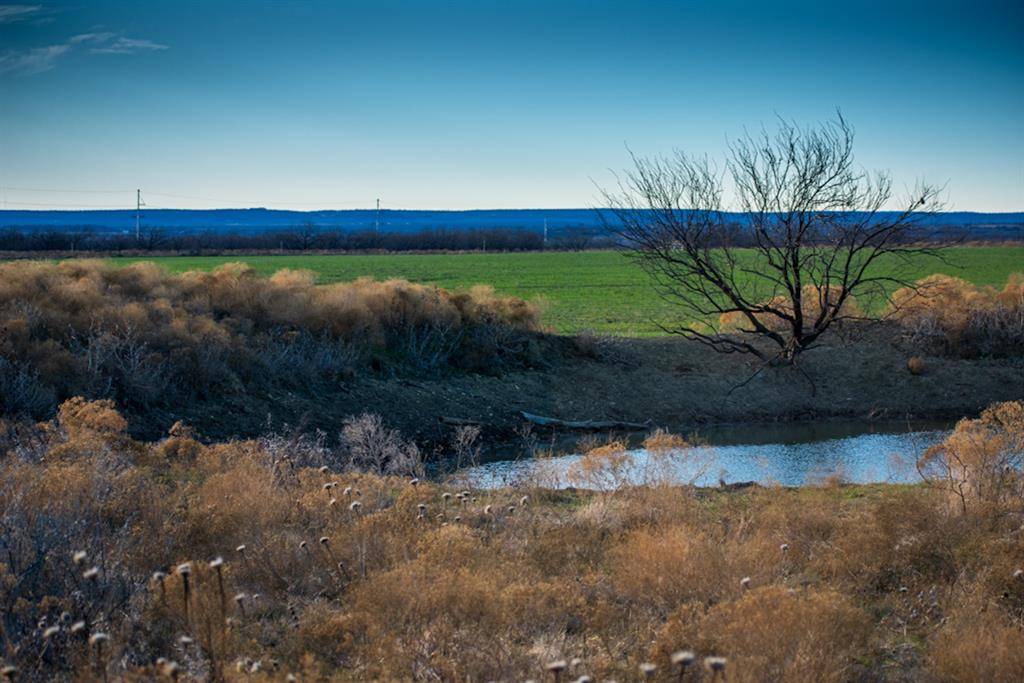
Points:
point(805, 243)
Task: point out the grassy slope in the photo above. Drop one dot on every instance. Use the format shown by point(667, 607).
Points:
point(601, 291)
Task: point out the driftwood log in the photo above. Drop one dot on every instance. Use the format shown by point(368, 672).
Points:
point(582, 424)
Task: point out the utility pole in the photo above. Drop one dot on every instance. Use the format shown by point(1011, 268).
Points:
point(138, 213)
point(376, 221)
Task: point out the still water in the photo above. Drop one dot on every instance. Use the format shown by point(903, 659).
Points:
point(781, 454)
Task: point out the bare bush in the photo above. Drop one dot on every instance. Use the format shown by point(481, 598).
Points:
point(375, 448)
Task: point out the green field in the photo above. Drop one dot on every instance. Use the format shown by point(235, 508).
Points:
point(599, 290)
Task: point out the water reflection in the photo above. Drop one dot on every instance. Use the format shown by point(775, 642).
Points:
point(802, 458)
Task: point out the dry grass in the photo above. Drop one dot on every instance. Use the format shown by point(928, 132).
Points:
point(333, 572)
point(148, 338)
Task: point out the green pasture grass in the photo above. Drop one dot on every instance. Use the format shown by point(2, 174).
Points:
point(601, 291)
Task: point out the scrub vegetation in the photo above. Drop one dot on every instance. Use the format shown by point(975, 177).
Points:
point(149, 339)
point(278, 558)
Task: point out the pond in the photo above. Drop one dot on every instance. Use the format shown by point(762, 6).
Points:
point(792, 454)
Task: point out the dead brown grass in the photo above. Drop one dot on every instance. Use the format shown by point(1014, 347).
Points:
point(340, 574)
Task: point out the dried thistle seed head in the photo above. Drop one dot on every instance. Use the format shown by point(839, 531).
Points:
point(303, 545)
point(458, 518)
point(98, 639)
point(784, 547)
point(51, 632)
point(523, 501)
point(421, 507)
point(648, 669)
point(683, 657)
point(575, 662)
point(745, 582)
point(584, 679)
point(557, 665)
point(8, 671)
point(324, 469)
point(414, 481)
point(240, 598)
point(1018, 573)
point(185, 568)
point(77, 627)
point(217, 562)
point(347, 491)
point(159, 576)
point(240, 549)
point(487, 509)
point(511, 509)
point(324, 540)
point(715, 664)
point(447, 496)
point(355, 505)
point(91, 574)
point(332, 502)
point(185, 641)
point(79, 557)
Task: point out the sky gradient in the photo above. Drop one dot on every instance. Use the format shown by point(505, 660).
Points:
point(484, 104)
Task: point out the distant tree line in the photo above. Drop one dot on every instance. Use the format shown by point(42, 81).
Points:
point(306, 237)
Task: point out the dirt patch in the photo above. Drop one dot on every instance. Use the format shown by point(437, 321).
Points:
point(673, 383)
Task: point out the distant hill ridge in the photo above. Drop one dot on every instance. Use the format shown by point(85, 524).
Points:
point(257, 220)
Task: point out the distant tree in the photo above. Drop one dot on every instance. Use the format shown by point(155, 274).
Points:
point(813, 248)
point(306, 235)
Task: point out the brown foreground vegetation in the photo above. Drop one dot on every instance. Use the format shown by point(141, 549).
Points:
point(274, 560)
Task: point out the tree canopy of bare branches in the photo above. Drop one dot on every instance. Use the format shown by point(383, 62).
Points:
point(806, 240)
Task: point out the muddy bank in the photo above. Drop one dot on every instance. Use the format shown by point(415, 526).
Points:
point(670, 382)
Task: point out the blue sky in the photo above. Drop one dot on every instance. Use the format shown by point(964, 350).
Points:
point(485, 104)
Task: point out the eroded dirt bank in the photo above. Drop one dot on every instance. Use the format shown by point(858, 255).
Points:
point(670, 382)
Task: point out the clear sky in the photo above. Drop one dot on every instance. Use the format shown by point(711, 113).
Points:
point(483, 104)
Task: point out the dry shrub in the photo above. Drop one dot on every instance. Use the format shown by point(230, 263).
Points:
point(813, 301)
point(774, 634)
point(145, 337)
point(978, 643)
point(669, 566)
point(979, 464)
point(952, 316)
point(604, 468)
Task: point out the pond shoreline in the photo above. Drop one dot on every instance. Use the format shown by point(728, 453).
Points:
point(670, 382)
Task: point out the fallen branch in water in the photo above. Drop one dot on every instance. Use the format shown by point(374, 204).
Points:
point(582, 424)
